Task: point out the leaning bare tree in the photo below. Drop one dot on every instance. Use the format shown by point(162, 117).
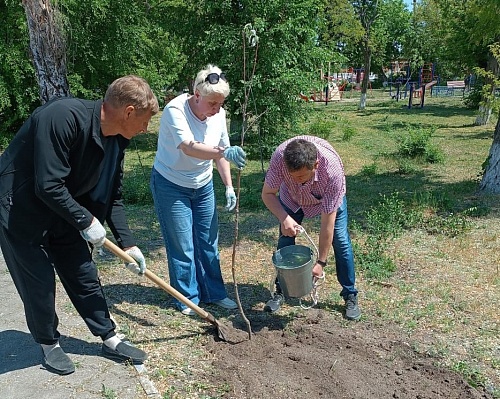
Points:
point(48, 48)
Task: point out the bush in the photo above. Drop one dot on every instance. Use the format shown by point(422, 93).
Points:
point(414, 143)
point(321, 128)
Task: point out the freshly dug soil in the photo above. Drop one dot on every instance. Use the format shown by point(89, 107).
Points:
point(314, 355)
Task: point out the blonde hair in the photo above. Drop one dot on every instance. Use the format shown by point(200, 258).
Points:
point(132, 90)
point(206, 88)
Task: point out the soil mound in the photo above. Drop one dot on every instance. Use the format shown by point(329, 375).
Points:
point(315, 356)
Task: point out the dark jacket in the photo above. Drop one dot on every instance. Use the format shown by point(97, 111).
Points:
point(60, 166)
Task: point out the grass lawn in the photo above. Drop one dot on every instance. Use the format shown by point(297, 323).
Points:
point(426, 244)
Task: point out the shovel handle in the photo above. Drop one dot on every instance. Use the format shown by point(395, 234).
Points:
point(115, 249)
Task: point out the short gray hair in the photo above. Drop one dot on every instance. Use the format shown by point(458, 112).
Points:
point(132, 90)
point(206, 88)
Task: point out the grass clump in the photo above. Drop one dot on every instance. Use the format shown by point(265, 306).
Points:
point(385, 221)
point(415, 143)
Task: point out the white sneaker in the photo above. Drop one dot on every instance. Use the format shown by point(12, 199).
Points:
point(226, 303)
point(188, 312)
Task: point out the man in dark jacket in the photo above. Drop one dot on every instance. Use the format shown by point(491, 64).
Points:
point(60, 179)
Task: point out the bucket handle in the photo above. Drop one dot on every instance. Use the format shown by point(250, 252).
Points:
point(317, 281)
point(303, 231)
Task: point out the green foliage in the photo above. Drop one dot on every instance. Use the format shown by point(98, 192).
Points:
point(265, 80)
point(473, 98)
point(109, 39)
point(384, 221)
point(136, 187)
point(321, 128)
point(471, 373)
point(415, 143)
point(434, 154)
point(261, 147)
point(348, 132)
point(373, 261)
point(451, 225)
point(369, 170)
point(327, 128)
point(108, 393)
point(490, 82)
point(18, 87)
point(391, 216)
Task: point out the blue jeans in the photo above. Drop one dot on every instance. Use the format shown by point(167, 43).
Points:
point(190, 229)
point(342, 248)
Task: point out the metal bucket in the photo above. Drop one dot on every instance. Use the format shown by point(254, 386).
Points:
point(294, 265)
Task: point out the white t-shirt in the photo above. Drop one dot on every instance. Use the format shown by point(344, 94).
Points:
point(178, 123)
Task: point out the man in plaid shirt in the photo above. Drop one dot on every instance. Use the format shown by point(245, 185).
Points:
point(309, 176)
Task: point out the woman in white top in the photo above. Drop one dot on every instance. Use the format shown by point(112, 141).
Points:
point(193, 134)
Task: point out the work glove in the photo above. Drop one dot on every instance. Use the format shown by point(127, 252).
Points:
point(138, 268)
point(236, 155)
point(231, 198)
point(95, 233)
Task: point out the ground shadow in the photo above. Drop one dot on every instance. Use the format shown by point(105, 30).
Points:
point(252, 297)
point(19, 351)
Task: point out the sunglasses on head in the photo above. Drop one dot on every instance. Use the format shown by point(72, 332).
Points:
point(213, 78)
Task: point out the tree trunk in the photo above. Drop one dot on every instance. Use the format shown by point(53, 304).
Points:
point(366, 77)
point(490, 182)
point(483, 116)
point(48, 49)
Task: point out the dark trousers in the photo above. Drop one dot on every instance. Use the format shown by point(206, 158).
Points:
point(342, 248)
point(32, 270)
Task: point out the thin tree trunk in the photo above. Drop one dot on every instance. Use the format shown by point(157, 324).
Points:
point(48, 49)
point(490, 182)
point(366, 77)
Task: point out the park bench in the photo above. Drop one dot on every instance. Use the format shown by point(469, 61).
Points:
point(456, 85)
point(452, 87)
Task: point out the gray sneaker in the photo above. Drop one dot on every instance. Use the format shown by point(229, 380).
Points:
point(352, 311)
point(274, 303)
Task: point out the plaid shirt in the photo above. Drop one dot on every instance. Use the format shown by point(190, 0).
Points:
point(323, 193)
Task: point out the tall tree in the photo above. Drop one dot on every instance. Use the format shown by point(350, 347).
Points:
point(289, 54)
point(48, 48)
point(368, 12)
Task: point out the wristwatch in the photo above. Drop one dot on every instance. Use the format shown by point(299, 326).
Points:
point(320, 262)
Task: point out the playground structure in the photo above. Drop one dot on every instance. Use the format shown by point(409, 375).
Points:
point(328, 90)
point(400, 82)
point(333, 85)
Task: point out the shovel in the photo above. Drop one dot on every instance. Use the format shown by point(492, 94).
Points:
point(221, 330)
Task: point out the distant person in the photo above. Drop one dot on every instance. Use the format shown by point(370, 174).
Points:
point(308, 176)
point(193, 134)
point(60, 179)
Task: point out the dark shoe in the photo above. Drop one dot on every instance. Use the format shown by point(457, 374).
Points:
point(352, 311)
point(274, 303)
point(58, 362)
point(226, 303)
point(124, 352)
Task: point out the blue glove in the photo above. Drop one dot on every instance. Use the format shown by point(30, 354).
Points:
point(231, 198)
point(236, 155)
point(140, 267)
